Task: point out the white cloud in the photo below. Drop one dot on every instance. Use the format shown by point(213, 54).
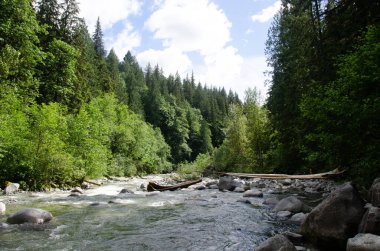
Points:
point(125, 40)
point(196, 25)
point(170, 59)
point(266, 14)
point(110, 11)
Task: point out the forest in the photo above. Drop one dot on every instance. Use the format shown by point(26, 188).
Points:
point(70, 110)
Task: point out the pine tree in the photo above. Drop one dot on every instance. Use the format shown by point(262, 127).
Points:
point(98, 40)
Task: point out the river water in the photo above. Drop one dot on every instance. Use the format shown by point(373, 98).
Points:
point(185, 219)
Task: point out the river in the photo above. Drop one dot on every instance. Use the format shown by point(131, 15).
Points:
point(185, 219)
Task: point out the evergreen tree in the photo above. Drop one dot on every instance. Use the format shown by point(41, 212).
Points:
point(98, 40)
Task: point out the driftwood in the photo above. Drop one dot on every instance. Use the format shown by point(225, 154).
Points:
point(92, 183)
point(327, 175)
point(156, 187)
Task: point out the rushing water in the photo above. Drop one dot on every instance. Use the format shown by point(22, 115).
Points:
point(186, 219)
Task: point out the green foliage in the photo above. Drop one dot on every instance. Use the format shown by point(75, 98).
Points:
point(194, 169)
point(346, 130)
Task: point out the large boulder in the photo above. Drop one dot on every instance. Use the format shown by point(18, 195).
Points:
point(226, 183)
point(11, 188)
point(374, 193)
point(2, 208)
point(371, 221)
point(276, 243)
point(364, 242)
point(291, 204)
point(30, 215)
point(335, 219)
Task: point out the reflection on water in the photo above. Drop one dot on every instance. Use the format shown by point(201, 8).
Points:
point(180, 220)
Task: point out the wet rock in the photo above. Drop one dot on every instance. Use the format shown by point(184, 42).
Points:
point(85, 185)
point(335, 219)
point(298, 218)
point(3, 225)
point(201, 187)
point(271, 202)
point(30, 215)
point(142, 187)
point(214, 182)
point(239, 190)
point(213, 187)
point(226, 183)
point(291, 203)
point(371, 221)
point(253, 193)
point(2, 208)
point(364, 242)
point(374, 193)
point(75, 194)
point(126, 190)
point(276, 243)
point(99, 204)
point(286, 182)
point(12, 188)
point(283, 214)
point(294, 237)
point(300, 248)
point(77, 190)
point(244, 201)
point(214, 196)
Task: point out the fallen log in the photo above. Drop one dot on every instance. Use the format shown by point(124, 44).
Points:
point(327, 175)
point(156, 187)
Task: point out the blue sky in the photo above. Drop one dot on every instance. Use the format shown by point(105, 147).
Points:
point(221, 41)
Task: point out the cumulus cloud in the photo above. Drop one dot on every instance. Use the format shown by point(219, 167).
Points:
point(170, 59)
point(125, 40)
point(110, 12)
point(196, 25)
point(266, 14)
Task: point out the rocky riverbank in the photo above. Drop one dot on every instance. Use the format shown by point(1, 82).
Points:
point(329, 217)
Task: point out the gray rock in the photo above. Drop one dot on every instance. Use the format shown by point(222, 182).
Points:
point(298, 218)
point(75, 194)
point(294, 237)
point(85, 185)
point(253, 193)
point(364, 242)
point(213, 186)
point(239, 190)
point(244, 201)
point(77, 190)
point(286, 182)
point(30, 215)
point(300, 248)
point(374, 193)
point(208, 184)
point(283, 214)
point(371, 221)
point(335, 219)
point(201, 187)
point(271, 202)
point(126, 190)
point(226, 183)
point(276, 243)
point(2, 208)
point(291, 203)
point(12, 188)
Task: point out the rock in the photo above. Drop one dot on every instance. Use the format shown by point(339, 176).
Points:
point(244, 201)
point(75, 194)
point(300, 248)
point(30, 215)
point(286, 182)
point(142, 187)
point(364, 242)
point(239, 190)
point(291, 203)
point(2, 208)
point(298, 218)
point(85, 185)
point(77, 190)
point(335, 219)
point(374, 193)
point(211, 183)
point(126, 190)
point(271, 202)
point(12, 188)
point(201, 187)
point(276, 243)
point(214, 196)
point(294, 237)
point(213, 187)
point(253, 193)
point(283, 214)
point(226, 183)
point(371, 221)
point(3, 225)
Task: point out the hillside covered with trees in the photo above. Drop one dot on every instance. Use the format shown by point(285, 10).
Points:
point(69, 110)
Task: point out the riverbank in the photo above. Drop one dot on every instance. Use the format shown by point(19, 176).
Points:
point(226, 213)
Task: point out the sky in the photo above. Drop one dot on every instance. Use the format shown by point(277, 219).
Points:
point(221, 41)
